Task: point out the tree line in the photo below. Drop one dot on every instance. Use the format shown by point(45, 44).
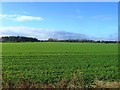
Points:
point(30, 39)
point(18, 39)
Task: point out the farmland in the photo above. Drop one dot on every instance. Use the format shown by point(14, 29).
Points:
point(56, 64)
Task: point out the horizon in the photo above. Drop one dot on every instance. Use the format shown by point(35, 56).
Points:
point(63, 20)
point(55, 39)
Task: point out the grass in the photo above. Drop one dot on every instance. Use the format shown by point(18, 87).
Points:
point(57, 65)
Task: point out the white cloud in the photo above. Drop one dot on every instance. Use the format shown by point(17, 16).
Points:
point(2, 16)
point(27, 18)
point(20, 18)
point(45, 33)
point(40, 33)
point(5, 16)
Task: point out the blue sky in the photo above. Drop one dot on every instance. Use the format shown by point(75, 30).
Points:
point(62, 20)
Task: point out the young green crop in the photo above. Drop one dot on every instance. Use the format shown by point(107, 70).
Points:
point(51, 62)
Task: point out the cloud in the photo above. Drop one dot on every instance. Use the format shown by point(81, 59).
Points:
point(2, 16)
point(45, 33)
point(27, 18)
point(20, 18)
point(5, 16)
point(40, 33)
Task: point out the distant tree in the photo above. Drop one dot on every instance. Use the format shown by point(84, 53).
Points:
point(52, 39)
point(18, 39)
point(30, 39)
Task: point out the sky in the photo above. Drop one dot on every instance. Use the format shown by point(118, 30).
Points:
point(60, 20)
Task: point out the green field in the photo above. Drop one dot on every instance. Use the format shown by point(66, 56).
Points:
point(59, 64)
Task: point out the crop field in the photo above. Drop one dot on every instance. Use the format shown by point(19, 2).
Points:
point(58, 64)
